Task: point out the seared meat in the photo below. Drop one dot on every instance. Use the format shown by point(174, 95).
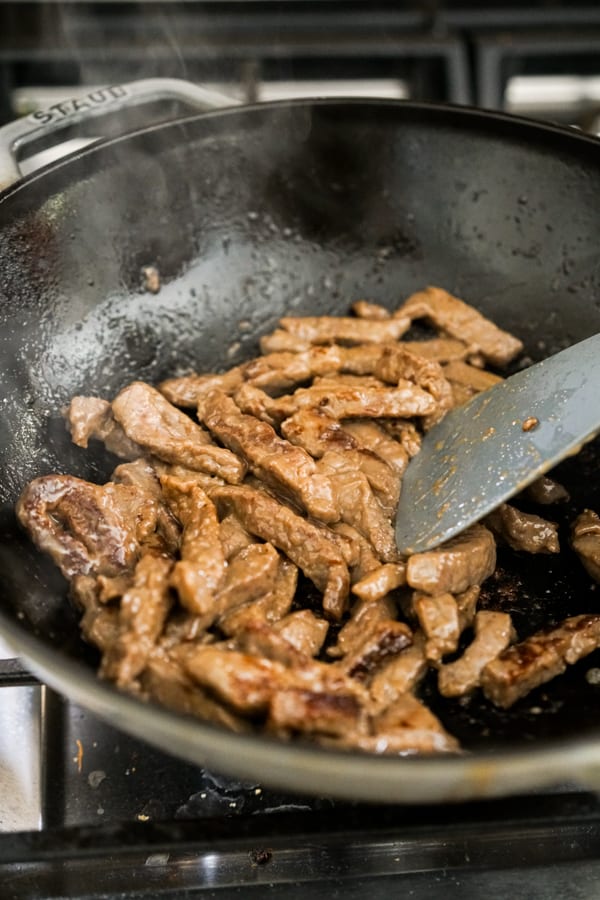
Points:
point(545, 491)
point(142, 616)
point(233, 535)
point(201, 569)
point(380, 582)
point(471, 377)
point(407, 726)
point(466, 603)
point(457, 319)
point(364, 619)
point(585, 540)
point(312, 548)
point(363, 558)
point(340, 330)
point(441, 350)
point(91, 417)
point(279, 372)
point(357, 504)
point(438, 617)
point(280, 341)
point(242, 681)
point(150, 420)
point(87, 528)
point(397, 364)
point(371, 436)
point(385, 639)
point(143, 476)
point(369, 402)
point(270, 607)
point(304, 631)
point(539, 658)
point(465, 560)
point(99, 623)
point(365, 309)
point(188, 390)
point(405, 433)
point(249, 574)
point(297, 709)
point(255, 402)
point(523, 531)
point(493, 633)
point(400, 674)
point(290, 470)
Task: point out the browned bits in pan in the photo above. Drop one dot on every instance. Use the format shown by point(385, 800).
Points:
point(241, 566)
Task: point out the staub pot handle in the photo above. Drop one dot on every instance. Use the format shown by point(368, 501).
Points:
point(43, 126)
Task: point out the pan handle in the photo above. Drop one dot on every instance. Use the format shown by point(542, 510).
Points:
point(99, 103)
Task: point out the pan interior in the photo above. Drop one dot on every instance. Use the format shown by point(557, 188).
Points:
point(295, 209)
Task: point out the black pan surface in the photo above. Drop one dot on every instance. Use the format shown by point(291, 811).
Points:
point(290, 208)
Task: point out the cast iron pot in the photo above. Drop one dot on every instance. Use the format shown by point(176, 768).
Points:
point(300, 208)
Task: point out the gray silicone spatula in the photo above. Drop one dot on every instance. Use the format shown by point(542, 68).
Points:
point(486, 451)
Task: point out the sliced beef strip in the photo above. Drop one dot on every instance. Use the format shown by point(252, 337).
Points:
point(585, 540)
point(164, 680)
point(233, 536)
point(254, 401)
point(364, 619)
point(398, 364)
point(306, 711)
point(314, 549)
point(99, 623)
point(280, 341)
point(405, 433)
point(249, 574)
point(539, 658)
point(441, 350)
point(545, 491)
point(263, 641)
point(290, 470)
point(197, 575)
point(354, 402)
point(459, 320)
point(463, 561)
point(142, 475)
point(142, 615)
point(407, 726)
point(279, 372)
point(466, 603)
point(380, 582)
point(187, 390)
point(369, 435)
point(110, 587)
point(305, 631)
point(385, 639)
point(270, 607)
point(357, 505)
point(92, 418)
point(523, 531)
point(493, 633)
point(438, 617)
point(345, 330)
point(400, 674)
point(471, 377)
point(365, 309)
point(87, 528)
point(150, 420)
point(364, 559)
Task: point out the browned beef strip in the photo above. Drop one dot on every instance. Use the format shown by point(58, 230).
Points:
point(545, 491)
point(357, 505)
point(255, 402)
point(87, 528)
point(265, 642)
point(477, 380)
point(150, 420)
point(297, 709)
point(364, 618)
point(143, 476)
point(400, 674)
point(365, 309)
point(438, 617)
point(466, 603)
point(465, 560)
point(405, 433)
point(523, 531)
point(340, 330)
point(99, 623)
point(304, 631)
point(385, 639)
point(371, 436)
point(407, 726)
point(493, 633)
point(398, 364)
point(279, 372)
point(288, 469)
point(249, 574)
point(110, 587)
point(314, 549)
point(585, 540)
point(201, 569)
point(441, 350)
point(91, 417)
point(280, 341)
point(164, 680)
point(245, 682)
point(354, 402)
point(187, 390)
point(364, 559)
point(459, 320)
point(539, 658)
point(233, 536)
point(269, 608)
point(142, 616)
point(380, 582)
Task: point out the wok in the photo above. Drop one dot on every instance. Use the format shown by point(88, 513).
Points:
point(299, 208)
